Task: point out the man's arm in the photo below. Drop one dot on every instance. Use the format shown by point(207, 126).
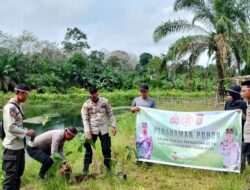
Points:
point(56, 146)
point(10, 116)
point(110, 114)
point(85, 118)
point(239, 152)
point(153, 104)
point(134, 108)
point(61, 152)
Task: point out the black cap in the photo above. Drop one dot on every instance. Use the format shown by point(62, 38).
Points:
point(93, 90)
point(234, 91)
point(144, 87)
point(229, 130)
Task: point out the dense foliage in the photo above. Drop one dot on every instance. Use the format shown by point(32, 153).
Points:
point(48, 67)
point(219, 28)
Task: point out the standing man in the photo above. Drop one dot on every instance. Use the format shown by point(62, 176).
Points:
point(143, 100)
point(95, 115)
point(14, 141)
point(49, 143)
point(230, 150)
point(245, 91)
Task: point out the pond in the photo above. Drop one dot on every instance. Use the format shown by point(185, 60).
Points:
point(48, 122)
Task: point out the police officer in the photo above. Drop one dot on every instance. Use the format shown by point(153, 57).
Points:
point(95, 114)
point(230, 149)
point(14, 141)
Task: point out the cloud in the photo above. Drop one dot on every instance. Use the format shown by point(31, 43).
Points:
point(111, 24)
point(46, 19)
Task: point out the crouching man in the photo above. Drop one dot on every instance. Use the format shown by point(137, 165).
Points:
point(47, 144)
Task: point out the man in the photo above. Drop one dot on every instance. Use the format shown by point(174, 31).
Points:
point(230, 149)
point(245, 91)
point(47, 144)
point(144, 143)
point(144, 100)
point(95, 114)
point(14, 141)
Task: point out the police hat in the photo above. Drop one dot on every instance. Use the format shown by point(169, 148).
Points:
point(229, 130)
point(22, 88)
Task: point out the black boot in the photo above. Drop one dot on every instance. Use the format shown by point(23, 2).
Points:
point(85, 169)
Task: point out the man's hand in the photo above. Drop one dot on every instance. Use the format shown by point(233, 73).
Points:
point(113, 131)
point(31, 133)
point(135, 109)
point(89, 136)
point(238, 110)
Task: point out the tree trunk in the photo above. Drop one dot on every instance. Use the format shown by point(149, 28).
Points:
point(221, 57)
point(219, 78)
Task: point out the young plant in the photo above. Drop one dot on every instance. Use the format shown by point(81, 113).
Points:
point(57, 158)
point(83, 140)
point(127, 155)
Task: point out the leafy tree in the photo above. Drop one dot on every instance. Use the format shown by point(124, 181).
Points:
point(11, 69)
point(75, 40)
point(215, 22)
point(154, 67)
point(114, 62)
point(96, 57)
point(143, 61)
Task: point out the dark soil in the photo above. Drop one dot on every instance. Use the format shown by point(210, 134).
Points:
point(81, 177)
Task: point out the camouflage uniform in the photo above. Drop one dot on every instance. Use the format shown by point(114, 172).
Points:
point(231, 153)
point(95, 120)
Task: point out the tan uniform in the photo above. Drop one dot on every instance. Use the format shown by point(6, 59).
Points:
point(13, 127)
point(95, 116)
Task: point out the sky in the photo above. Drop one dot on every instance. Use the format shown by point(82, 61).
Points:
point(109, 24)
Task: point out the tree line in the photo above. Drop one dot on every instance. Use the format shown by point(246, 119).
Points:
point(220, 30)
point(49, 67)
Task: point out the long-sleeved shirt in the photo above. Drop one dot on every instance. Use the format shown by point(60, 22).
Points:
point(50, 142)
point(95, 116)
point(13, 126)
point(247, 125)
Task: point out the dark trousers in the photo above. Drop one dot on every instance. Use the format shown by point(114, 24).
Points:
point(106, 151)
point(41, 157)
point(13, 165)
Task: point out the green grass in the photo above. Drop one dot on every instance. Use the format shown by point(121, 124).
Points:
point(38, 104)
point(139, 178)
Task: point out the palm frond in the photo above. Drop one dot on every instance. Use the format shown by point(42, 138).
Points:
point(188, 4)
point(196, 53)
point(186, 45)
point(225, 26)
point(175, 26)
point(203, 15)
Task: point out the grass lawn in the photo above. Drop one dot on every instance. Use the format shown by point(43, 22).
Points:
point(138, 177)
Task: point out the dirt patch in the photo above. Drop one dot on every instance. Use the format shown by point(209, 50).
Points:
point(81, 177)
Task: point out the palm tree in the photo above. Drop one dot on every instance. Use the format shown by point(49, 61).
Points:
point(216, 23)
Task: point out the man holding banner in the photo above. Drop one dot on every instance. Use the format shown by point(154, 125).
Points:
point(245, 90)
point(143, 101)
